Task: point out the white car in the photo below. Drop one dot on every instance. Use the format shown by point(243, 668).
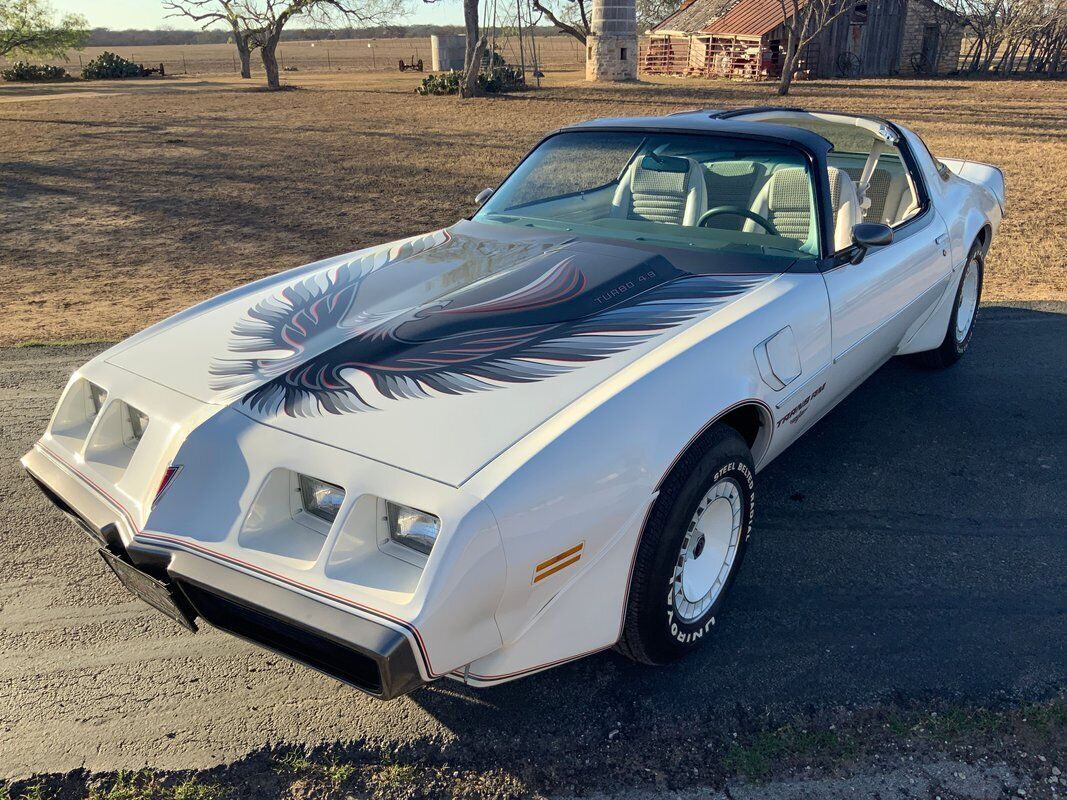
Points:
point(535, 434)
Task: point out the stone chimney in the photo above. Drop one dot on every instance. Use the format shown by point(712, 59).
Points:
point(611, 48)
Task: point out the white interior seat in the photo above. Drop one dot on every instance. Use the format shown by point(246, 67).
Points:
point(673, 194)
point(785, 202)
point(732, 183)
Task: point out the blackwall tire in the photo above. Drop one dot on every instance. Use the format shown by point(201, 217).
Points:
point(964, 314)
point(691, 550)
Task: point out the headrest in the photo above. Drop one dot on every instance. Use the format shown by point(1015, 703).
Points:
point(654, 163)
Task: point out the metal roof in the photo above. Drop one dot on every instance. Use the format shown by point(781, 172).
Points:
point(749, 18)
point(693, 16)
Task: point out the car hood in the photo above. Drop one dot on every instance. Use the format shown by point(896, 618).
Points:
point(436, 353)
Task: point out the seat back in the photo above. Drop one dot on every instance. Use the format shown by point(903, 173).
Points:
point(666, 189)
point(731, 183)
point(785, 201)
point(846, 206)
point(877, 192)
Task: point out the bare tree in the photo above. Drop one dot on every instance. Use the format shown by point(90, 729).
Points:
point(651, 13)
point(572, 16)
point(804, 20)
point(264, 20)
point(569, 16)
point(472, 55)
point(28, 27)
point(1011, 36)
point(211, 12)
point(473, 50)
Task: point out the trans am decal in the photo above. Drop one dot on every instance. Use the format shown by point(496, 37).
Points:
point(547, 314)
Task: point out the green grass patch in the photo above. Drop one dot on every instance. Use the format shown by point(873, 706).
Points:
point(395, 776)
point(956, 722)
point(329, 771)
point(33, 791)
point(760, 755)
point(1044, 718)
point(146, 785)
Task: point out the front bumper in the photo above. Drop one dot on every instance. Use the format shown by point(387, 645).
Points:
point(369, 656)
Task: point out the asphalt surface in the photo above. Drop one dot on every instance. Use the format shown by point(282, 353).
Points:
point(912, 548)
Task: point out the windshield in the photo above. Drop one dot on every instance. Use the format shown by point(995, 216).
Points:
point(693, 191)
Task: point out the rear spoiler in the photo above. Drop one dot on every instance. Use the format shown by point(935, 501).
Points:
point(983, 174)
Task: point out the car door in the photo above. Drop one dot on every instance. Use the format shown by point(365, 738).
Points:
point(874, 303)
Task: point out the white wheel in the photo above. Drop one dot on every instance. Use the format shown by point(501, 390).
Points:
point(708, 550)
point(964, 313)
point(691, 549)
point(968, 304)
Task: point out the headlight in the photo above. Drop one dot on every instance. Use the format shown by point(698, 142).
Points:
point(320, 498)
point(97, 396)
point(133, 430)
point(412, 528)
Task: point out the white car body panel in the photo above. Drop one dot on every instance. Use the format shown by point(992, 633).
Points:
point(524, 473)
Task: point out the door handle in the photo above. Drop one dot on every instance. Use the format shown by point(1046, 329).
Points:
point(942, 239)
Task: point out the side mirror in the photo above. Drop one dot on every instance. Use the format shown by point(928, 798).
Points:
point(866, 235)
point(483, 195)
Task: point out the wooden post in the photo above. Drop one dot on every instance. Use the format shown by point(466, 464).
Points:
point(185, 67)
point(522, 54)
point(329, 66)
point(233, 58)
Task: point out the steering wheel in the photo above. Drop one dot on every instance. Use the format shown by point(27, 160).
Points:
point(738, 211)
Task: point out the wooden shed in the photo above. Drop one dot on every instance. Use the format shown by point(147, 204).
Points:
point(876, 37)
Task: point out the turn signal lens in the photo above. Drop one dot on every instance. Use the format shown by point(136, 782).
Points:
point(411, 528)
point(320, 498)
point(169, 474)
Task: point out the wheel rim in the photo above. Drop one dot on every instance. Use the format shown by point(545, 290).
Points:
point(968, 302)
point(708, 550)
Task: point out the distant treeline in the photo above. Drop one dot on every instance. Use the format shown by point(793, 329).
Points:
point(105, 37)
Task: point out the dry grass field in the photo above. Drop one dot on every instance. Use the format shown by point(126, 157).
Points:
point(554, 52)
point(125, 202)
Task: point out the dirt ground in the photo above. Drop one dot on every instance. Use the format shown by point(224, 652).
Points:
point(126, 202)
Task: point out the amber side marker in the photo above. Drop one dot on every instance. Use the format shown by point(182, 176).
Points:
point(558, 562)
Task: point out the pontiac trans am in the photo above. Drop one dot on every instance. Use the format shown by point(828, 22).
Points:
point(535, 434)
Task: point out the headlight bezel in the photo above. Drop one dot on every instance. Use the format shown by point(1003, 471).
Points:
point(313, 498)
point(405, 530)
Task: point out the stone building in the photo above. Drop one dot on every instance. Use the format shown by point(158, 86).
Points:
point(611, 47)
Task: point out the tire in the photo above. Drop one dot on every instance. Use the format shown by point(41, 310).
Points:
point(964, 313)
point(704, 511)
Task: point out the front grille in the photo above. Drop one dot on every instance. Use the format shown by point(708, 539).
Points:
point(286, 638)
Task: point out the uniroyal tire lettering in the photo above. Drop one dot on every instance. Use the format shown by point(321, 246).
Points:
point(734, 470)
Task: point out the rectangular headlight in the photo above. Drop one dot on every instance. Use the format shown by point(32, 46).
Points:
point(134, 427)
point(320, 498)
point(412, 528)
point(96, 397)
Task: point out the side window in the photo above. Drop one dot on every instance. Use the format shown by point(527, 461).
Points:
point(891, 194)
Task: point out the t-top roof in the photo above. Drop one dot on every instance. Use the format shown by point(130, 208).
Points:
point(709, 121)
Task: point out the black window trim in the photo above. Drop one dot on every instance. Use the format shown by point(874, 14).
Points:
point(816, 162)
point(910, 226)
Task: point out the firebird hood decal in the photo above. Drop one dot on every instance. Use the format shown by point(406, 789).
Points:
point(436, 353)
point(546, 314)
